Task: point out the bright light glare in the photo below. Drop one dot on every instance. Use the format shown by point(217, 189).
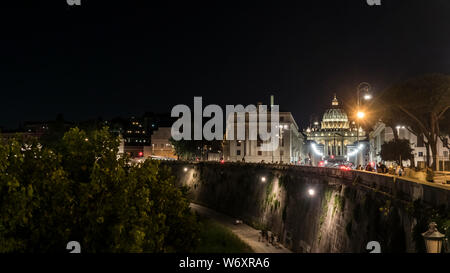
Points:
point(360, 114)
point(355, 151)
point(263, 179)
point(317, 152)
point(185, 169)
point(367, 97)
point(311, 192)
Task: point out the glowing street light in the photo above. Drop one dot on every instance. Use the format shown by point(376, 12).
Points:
point(311, 192)
point(364, 86)
point(185, 169)
point(263, 179)
point(367, 96)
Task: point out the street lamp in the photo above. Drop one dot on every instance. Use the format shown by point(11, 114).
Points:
point(433, 239)
point(367, 96)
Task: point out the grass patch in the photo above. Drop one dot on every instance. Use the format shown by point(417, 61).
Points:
point(216, 238)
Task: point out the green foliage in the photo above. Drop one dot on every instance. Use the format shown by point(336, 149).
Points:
point(424, 216)
point(81, 190)
point(325, 201)
point(190, 149)
point(276, 204)
point(386, 209)
point(215, 238)
point(421, 104)
point(339, 203)
point(395, 150)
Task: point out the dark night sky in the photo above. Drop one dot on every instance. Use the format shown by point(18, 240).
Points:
point(122, 59)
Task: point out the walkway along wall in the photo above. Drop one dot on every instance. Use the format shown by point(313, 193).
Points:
point(348, 208)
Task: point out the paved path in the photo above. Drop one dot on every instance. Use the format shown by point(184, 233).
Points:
point(246, 233)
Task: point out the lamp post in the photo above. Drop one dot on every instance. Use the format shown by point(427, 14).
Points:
point(433, 239)
point(366, 87)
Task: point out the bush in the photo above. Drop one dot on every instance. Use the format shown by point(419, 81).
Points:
point(83, 191)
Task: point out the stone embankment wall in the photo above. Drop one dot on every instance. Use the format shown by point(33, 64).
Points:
point(347, 210)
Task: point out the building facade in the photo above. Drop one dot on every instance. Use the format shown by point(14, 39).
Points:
point(382, 133)
point(288, 151)
point(335, 137)
point(160, 144)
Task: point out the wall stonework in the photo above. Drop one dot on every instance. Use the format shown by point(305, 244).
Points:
point(348, 209)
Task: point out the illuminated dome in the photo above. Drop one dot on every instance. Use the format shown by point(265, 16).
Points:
point(335, 118)
point(334, 115)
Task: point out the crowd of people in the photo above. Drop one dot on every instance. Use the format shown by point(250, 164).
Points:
point(382, 168)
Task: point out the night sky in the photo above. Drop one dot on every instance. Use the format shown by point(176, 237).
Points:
point(121, 59)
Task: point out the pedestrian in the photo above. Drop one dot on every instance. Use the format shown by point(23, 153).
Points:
point(379, 169)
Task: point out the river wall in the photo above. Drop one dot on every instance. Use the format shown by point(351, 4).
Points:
point(346, 210)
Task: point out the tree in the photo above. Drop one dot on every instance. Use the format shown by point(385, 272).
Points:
point(189, 149)
point(421, 103)
point(84, 191)
point(445, 130)
point(396, 150)
point(35, 200)
point(184, 149)
point(55, 132)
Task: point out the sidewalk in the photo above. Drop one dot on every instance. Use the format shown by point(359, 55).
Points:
point(246, 233)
